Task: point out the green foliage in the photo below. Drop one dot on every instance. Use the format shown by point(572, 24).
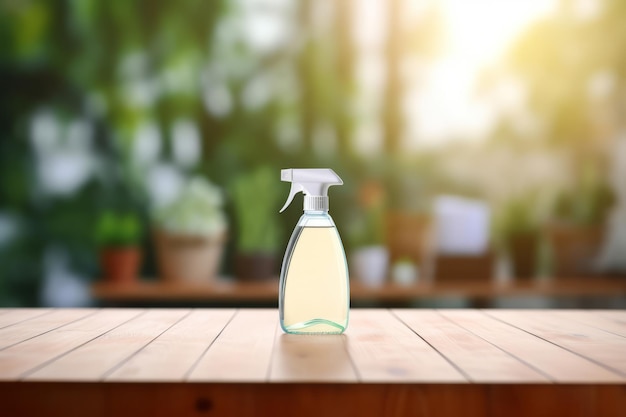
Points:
point(25, 31)
point(118, 229)
point(256, 196)
point(366, 224)
point(517, 217)
point(118, 65)
point(588, 202)
point(367, 228)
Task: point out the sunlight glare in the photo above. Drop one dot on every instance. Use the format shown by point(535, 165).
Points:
point(477, 35)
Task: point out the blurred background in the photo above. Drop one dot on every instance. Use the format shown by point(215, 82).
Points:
point(482, 141)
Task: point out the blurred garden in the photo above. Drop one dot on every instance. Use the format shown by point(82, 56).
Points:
point(144, 139)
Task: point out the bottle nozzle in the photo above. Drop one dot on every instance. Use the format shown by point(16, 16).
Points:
point(314, 183)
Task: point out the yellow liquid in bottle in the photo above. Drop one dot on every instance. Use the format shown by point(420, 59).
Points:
point(316, 292)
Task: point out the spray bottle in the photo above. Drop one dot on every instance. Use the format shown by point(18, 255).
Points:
point(314, 295)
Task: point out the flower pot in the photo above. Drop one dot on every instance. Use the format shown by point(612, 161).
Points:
point(523, 251)
point(185, 258)
point(369, 265)
point(120, 265)
point(407, 236)
point(255, 266)
point(574, 248)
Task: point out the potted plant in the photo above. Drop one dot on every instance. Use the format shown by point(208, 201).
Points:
point(190, 234)
point(256, 196)
point(118, 235)
point(517, 230)
point(408, 238)
point(576, 231)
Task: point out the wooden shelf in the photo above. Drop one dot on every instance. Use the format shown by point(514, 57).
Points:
point(228, 291)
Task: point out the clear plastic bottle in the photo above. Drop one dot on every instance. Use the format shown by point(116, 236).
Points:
point(314, 294)
point(314, 284)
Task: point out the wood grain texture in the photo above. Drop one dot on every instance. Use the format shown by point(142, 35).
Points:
point(242, 351)
point(617, 315)
point(34, 325)
point(384, 349)
point(553, 361)
point(311, 400)
point(173, 353)
point(545, 400)
point(92, 361)
point(616, 320)
point(242, 364)
point(21, 358)
point(224, 345)
point(480, 360)
point(10, 316)
point(311, 358)
point(602, 347)
point(302, 400)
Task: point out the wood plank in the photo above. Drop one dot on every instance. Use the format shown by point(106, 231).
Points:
point(92, 361)
point(480, 360)
point(193, 400)
point(615, 325)
point(556, 363)
point(173, 353)
point(311, 400)
point(304, 400)
point(52, 400)
point(383, 349)
point(598, 345)
point(311, 358)
point(21, 358)
point(242, 351)
point(512, 400)
point(619, 315)
point(610, 400)
point(35, 324)
point(14, 316)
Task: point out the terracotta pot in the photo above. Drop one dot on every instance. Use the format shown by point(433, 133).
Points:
point(523, 251)
point(120, 264)
point(188, 258)
point(255, 266)
point(574, 248)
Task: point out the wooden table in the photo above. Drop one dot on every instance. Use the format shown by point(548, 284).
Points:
point(222, 362)
point(267, 292)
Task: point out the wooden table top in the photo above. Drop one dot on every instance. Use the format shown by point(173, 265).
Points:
point(453, 350)
point(228, 291)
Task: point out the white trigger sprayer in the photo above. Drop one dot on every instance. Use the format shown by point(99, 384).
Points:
point(314, 183)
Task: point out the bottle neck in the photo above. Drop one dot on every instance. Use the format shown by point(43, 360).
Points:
point(315, 203)
point(315, 212)
point(316, 218)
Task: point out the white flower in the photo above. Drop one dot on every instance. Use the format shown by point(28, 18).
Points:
point(197, 211)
